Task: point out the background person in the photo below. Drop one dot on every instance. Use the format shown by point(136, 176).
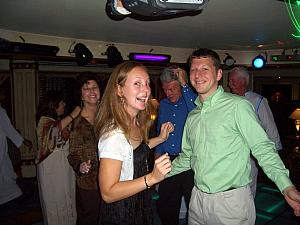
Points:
point(121, 124)
point(218, 136)
point(239, 84)
point(83, 152)
point(56, 180)
point(9, 189)
point(174, 108)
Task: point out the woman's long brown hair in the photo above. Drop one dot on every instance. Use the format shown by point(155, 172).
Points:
point(111, 113)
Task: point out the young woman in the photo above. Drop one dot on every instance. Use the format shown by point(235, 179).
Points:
point(55, 176)
point(121, 124)
point(83, 152)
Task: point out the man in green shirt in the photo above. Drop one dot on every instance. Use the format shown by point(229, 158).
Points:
point(216, 143)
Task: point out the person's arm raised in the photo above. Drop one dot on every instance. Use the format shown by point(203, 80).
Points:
point(165, 129)
point(69, 118)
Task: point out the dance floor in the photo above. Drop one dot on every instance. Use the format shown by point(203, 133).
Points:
point(271, 208)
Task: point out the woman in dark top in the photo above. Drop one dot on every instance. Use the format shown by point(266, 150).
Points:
point(121, 124)
point(83, 153)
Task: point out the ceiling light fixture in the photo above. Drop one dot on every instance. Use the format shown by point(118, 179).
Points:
point(82, 54)
point(259, 61)
point(229, 60)
point(295, 51)
point(149, 57)
point(114, 56)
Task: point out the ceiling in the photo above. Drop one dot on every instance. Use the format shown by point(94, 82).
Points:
point(223, 24)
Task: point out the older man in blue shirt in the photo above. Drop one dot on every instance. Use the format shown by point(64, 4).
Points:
point(174, 108)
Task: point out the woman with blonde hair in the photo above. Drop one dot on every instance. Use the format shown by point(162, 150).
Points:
point(121, 124)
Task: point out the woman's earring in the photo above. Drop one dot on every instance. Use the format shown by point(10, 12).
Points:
point(122, 100)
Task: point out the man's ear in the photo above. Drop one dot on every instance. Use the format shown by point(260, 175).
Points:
point(244, 82)
point(219, 74)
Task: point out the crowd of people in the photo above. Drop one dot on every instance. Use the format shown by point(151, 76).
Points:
point(93, 163)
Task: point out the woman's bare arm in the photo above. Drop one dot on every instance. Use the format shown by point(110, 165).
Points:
point(112, 189)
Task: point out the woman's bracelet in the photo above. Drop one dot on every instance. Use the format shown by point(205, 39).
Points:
point(71, 117)
point(145, 179)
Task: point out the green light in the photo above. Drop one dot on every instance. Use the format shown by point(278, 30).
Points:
point(274, 58)
point(269, 188)
point(273, 208)
point(297, 35)
point(264, 216)
point(290, 9)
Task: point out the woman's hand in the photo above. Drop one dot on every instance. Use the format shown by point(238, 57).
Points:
point(85, 167)
point(75, 112)
point(165, 130)
point(162, 166)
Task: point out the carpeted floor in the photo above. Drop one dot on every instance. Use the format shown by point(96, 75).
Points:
point(270, 207)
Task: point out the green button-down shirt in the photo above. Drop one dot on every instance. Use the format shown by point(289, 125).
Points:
point(216, 143)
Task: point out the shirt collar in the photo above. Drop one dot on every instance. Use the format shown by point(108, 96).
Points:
point(210, 100)
point(249, 92)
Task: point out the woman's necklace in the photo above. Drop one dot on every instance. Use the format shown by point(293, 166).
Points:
point(135, 137)
point(88, 116)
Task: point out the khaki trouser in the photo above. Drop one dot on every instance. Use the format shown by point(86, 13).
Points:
point(233, 207)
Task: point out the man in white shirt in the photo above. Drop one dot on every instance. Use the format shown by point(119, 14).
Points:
point(239, 84)
point(9, 189)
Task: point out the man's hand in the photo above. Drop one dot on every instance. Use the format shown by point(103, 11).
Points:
point(182, 77)
point(292, 196)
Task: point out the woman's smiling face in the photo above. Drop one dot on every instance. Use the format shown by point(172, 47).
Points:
point(90, 92)
point(136, 90)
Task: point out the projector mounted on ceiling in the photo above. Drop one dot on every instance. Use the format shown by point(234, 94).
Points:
point(163, 7)
point(156, 8)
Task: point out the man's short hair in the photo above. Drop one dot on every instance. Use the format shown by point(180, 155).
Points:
point(205, 52)
point(168, 74)
point(242, 72)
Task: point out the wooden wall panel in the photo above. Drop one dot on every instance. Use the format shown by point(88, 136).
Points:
point(24, 104)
